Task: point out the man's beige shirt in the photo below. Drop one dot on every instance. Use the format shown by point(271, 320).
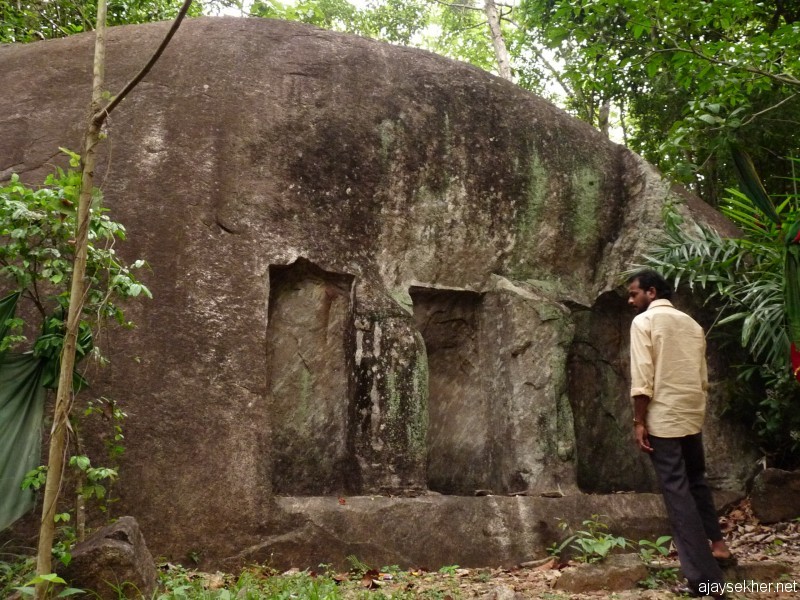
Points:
point(668, 364)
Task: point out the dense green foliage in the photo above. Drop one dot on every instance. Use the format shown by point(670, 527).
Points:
point(32, 20)
point(38, 232)
point(393, 21)
point(746, 278)
point(37, 227)
point(456, 30)
point(691, 77)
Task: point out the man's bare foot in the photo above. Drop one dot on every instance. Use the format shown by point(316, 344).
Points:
point(720, 550)
point(723, 554)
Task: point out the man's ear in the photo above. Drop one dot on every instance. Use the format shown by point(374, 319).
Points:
point(652, 293)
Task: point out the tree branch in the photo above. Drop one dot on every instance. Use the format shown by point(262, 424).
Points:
point(101, 115)
point(766, 110)
point(547, 64)
point(456, 5)
point(499, 44)
point(781, 78)
point(468, 27)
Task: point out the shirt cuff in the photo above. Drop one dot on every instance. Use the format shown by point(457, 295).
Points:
point(640, 391)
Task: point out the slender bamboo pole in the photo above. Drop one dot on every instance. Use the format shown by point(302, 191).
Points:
point(59, 432)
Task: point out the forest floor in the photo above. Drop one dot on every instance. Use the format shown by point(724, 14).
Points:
point(758, 549)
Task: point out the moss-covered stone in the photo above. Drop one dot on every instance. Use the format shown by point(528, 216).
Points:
point(586, 190)
point(391, 405)
point(417, 423)
point(536, 193)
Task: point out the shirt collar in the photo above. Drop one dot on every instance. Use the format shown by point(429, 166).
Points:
point(660, 302)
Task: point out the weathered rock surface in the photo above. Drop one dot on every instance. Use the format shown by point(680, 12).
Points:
point(752, 572)
point(435, 530)
point(764, 571)
point(113, 563)
point(776, 495)
point(616, 573)
point(375, 270)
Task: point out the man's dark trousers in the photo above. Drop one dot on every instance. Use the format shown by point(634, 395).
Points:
point(680, 466)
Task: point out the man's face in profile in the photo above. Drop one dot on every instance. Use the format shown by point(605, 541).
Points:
point(638, 298)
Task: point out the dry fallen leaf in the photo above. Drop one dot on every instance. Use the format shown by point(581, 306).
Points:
point(370, 580)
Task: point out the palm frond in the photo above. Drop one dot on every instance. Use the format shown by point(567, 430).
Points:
point(751, 184)
point(744, 274)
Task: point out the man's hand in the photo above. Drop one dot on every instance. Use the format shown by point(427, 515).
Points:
point(642, 439)
point(640, 403)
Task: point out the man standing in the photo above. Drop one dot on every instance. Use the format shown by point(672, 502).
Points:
point(669, 388)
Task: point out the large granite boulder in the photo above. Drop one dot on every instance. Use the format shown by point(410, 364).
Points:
point(376, 271)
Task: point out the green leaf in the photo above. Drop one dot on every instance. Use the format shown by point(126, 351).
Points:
point(751, 184)
point(653, 67)
point(50, 577)
point(82, 462)
point(26, 590)
point(74, 157)
point(710, 119)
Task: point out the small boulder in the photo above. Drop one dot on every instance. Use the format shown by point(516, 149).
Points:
point(502, 592)
point(616, 573)
point(776, 495)
point(113, 563)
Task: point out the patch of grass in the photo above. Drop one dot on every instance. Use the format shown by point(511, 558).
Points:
point(449, 569)
point(659, 578)
point(254, 583)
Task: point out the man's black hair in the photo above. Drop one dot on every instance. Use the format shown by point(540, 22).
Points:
point(648, 278)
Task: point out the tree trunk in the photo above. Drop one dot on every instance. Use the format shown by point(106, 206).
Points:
point(500, 50)
point(59, 432)
point(623, 126)
point(603, 117)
